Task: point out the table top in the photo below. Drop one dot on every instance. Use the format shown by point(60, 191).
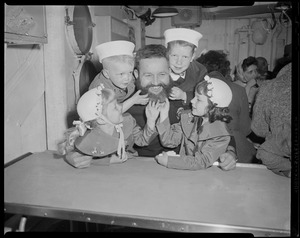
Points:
point(249, 197)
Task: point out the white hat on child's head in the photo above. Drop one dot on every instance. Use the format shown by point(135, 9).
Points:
point(184, 34)
point(219, 92)
point(112, 48)
point(89, 106)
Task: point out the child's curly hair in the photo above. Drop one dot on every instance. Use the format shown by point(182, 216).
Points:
point(214, 113)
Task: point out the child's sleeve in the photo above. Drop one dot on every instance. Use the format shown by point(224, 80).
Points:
point(204, 157)
point(170, 135)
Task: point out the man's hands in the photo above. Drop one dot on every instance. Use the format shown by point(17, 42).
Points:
point(155, 109)
point(164, 110)
point(152, 112)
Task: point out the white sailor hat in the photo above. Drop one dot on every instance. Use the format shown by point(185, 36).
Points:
point(218, 91)
point(184, 34)
point(112, 48)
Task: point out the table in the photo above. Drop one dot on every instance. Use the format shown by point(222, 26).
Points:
point(141, 193)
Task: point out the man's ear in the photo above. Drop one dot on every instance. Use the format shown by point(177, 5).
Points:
point(136, 73)
point(105, 73)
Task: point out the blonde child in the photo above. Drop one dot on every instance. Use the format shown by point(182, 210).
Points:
point(103, 133)
point(118, 64)
point(185, 72)
point(202, 131)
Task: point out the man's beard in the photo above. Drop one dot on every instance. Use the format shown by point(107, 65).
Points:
point(161, 96)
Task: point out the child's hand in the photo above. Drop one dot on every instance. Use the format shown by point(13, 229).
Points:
point(140, 99)
point(162, 159)
point(177, 94)
point(115, 159)
point(164, 110)
point(152, 112)
point(78, 160)
point(251, 83)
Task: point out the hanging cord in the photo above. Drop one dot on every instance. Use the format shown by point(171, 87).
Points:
point(269, 26)
point(285, 23)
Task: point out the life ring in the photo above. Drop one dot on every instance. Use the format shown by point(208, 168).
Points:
point(79, 28)
point(79, 33)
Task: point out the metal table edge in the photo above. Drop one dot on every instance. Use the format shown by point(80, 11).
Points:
point(138, 221)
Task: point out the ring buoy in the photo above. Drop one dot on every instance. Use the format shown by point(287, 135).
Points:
point(79, 33)
point(79, 28)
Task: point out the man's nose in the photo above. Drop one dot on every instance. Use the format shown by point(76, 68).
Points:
point(155, 80)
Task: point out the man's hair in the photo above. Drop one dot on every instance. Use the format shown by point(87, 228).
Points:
point(117, 58)
point(150, 51)
point(262, 65)
point(248, 61)
point(215, 61)
point(181, 43)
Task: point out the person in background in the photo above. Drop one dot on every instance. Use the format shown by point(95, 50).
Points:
point(118, 63)
point(202, 131)
point(98, 138)
point(286, 59)
point(185, 72)
point(218, 66)
point(245, 76)
point(152, 78)
point(272, 120)
point(263, 71)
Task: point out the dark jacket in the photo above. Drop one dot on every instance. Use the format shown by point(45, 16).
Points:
point(240, 125)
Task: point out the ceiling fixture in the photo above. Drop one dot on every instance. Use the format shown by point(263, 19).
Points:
point(163, 12)
point(142, 12)
point(283, 6)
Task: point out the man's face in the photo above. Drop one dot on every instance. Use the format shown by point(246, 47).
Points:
point(180, 58)
point(153, 78)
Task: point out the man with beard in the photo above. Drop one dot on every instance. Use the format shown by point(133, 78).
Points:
point(153, 77)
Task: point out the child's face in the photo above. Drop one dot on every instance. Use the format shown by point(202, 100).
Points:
point(199, 105)
point(180, 58)
point(120, 74)
point(114, 112)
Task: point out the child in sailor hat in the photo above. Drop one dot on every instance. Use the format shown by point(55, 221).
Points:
point(202, 131)
point(118, 64)
point(185, 72)
point(103, 132)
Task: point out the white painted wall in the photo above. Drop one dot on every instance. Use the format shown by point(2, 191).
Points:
point(220, 35)
point(24, 102)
